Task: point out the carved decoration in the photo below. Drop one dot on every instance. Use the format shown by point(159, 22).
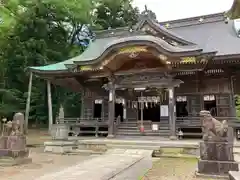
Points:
point(83, 68)
point(147, 28)
point(141, 78)
point(140, 65)
point(188, 60)
point(132, 49)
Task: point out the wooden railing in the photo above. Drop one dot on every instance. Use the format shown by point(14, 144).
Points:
point(196, 122)
point(98, 124)
point(75, 125)
point(80, 121)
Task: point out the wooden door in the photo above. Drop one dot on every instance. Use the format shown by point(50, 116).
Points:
point(194, 105)
point(223, 105)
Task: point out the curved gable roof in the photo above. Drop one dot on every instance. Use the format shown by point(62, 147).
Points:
point(162, 30)
point(212, 34)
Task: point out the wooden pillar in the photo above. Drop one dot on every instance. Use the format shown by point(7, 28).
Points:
point(172, 114)
point(232, 99)
point(82, 103)
point(111, 109)
point(28, 103)
point(50, 115)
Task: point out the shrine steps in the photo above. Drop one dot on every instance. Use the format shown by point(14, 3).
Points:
point(162, 133)
point(132, 129)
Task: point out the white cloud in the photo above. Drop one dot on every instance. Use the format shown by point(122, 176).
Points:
point(177, 9)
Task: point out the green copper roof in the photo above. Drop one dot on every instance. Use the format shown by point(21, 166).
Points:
point(95, 49)
point(99, 46)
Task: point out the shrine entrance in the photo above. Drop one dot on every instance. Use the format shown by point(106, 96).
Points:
point(150, 102)
point(119, 110)
point(151, 112)
point(210, 104)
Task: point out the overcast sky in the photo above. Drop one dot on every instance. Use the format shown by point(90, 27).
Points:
point(177, 9)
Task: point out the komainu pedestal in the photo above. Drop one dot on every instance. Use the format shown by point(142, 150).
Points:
point(13, 149)
point(216, 150)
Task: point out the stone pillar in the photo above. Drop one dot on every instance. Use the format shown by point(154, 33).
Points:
point(28, 104)
point(50, 115)
point(172, 114)
point(124, 110)
point(111, 109)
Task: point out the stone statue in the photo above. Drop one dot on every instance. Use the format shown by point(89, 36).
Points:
point(213, 130)
point(216, 150)
point(13, 141)
point(18, 120)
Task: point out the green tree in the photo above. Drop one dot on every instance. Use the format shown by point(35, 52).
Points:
point(39, 33)
point(237, 100)
point(115, 14)
point(235, 10)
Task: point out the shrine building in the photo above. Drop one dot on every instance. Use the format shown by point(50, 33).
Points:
point(153, 78)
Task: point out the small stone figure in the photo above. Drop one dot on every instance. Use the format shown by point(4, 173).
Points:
point(216, 150)
point(180, 134)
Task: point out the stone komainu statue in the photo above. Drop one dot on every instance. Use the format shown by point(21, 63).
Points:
point(216, 150)
point(213, 130)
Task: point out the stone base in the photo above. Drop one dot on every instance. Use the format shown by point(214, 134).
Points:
point(173, 138)
point(59, 147)
point(8, 161)
point(234, 175)
point(216, 167)
point(14, 154)
point(110, 136)
point(210, 176)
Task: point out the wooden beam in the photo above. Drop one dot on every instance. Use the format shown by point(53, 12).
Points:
point(28, 103)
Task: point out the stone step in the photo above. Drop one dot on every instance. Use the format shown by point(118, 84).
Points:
point(234, 175)
point(146, 126)
point(162, 134)
point(137, 142)
point(146, 130)
point(86, 152)
point(125, 146)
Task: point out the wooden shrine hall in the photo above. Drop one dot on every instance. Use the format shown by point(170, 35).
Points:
point(152, 78)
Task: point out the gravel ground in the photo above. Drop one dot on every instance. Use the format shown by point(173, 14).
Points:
point(173, 169)
point(42, 163)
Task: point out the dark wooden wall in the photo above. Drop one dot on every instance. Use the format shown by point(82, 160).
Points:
point(193, 88)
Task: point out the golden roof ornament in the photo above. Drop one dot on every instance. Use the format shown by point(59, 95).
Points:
point(167, 25)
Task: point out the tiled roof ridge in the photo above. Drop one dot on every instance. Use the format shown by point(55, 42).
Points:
point(197, 20)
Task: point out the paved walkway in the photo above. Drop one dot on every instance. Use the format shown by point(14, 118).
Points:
point(159, 141)
point(103, 167)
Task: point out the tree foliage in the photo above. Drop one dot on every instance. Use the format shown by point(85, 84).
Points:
point(234, 12)
point(41, 32)
point(115, 14)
